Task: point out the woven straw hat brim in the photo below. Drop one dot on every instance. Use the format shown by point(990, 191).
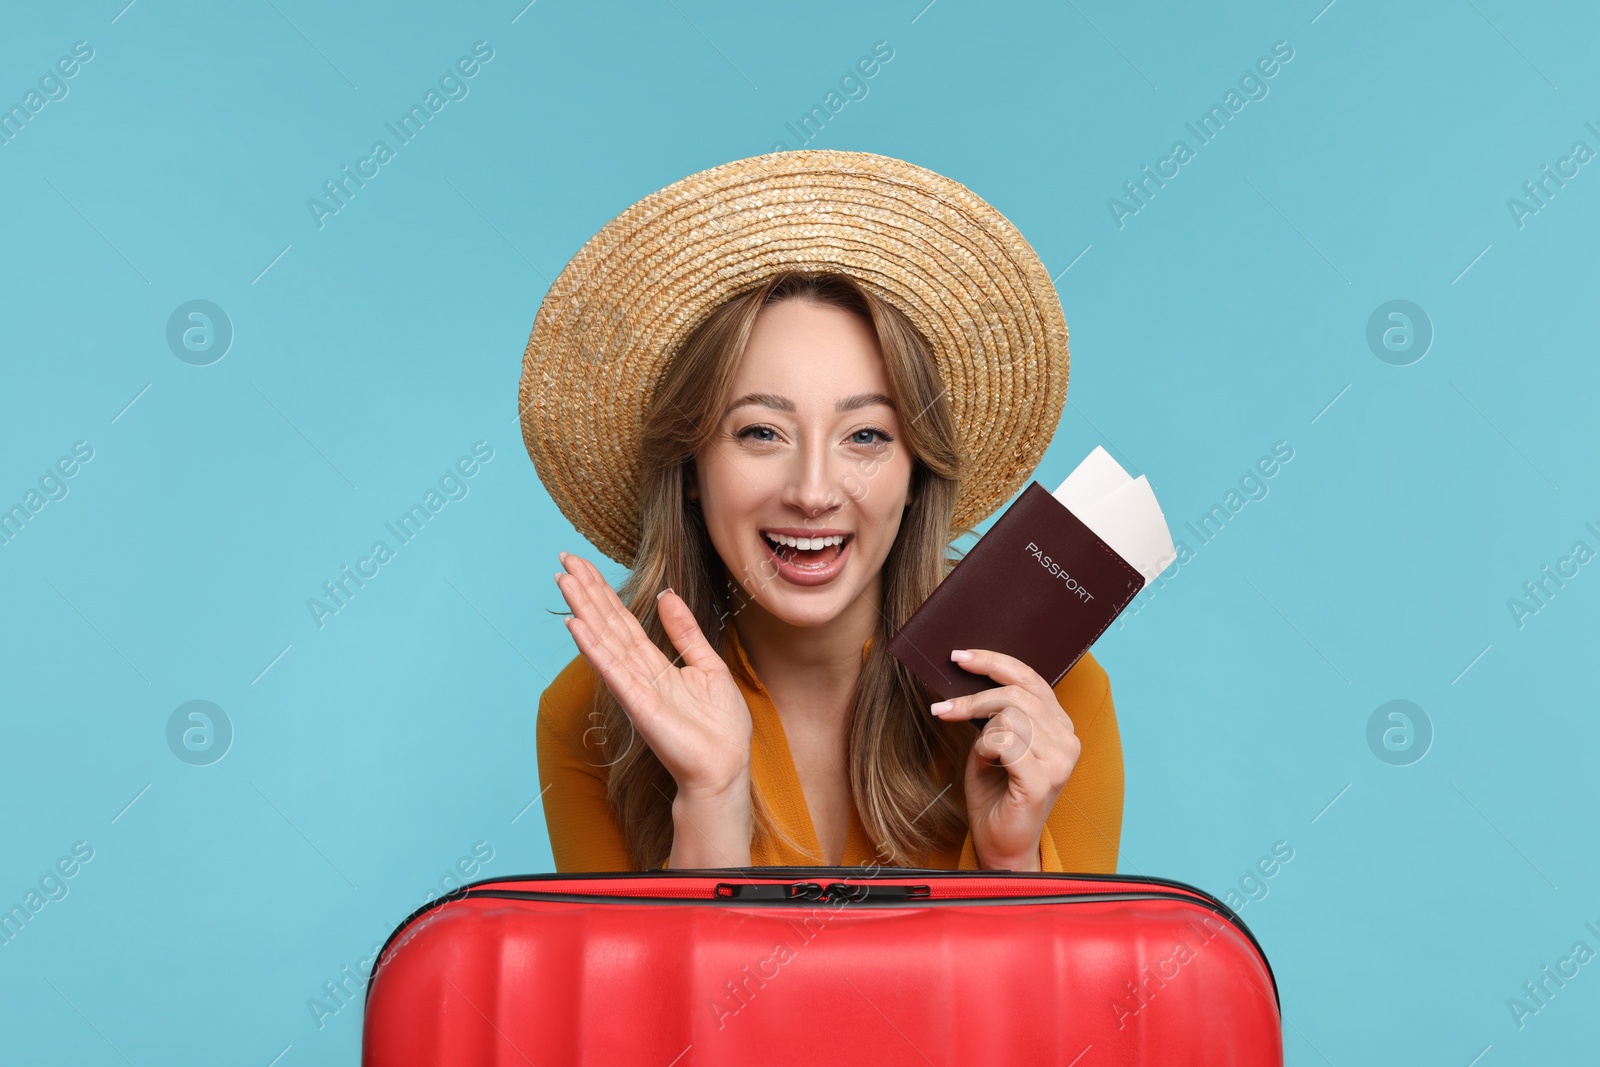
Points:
point(625, 303)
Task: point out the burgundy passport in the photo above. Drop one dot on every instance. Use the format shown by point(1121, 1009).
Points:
point(1039, 585)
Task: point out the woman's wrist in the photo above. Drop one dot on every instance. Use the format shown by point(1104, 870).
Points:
point(734, 790)
point(1031, 861)
point(712, 828)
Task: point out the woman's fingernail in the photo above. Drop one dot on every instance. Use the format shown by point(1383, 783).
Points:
point(960, 655)
point(941, 707)
point(664, 592)
point(562, 556)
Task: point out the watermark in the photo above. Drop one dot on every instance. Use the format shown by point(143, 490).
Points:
point(452, 87)
point(1140, 991)
point(340, 591)
point(990, 342)
point(1252, 886)
point(199, 733)
point(1399, 333)
point(1537, 593)
point(1540, 991)
point(855, 488)
point(52, 487)
point(1058, 572)
point(1252, 486)
point(856, 485)
point(738, 996)
point(1399, 733)
point(853, 87)
point(52, 89)
point(199, 333)
point(51, 887)
point(1252, 86)
point(1538, 192)
point(742, 989)
point(602, 330)
point(348, 986)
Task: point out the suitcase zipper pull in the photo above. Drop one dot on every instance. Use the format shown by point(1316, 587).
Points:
point(769, 890)
point(859, 891)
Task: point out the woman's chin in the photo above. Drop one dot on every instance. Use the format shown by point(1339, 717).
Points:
point(805, 597)
point(802, 607)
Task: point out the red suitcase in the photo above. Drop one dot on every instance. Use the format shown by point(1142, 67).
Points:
point(822, 965)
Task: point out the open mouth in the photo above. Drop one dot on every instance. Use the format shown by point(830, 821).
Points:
point(815, 553)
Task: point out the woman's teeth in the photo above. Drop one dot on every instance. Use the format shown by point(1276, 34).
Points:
point(806, 552)
point(805, 543)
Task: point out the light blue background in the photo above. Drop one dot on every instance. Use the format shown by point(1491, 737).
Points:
point(1225, 316)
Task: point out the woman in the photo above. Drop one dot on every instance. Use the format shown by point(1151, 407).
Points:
point(734, 704)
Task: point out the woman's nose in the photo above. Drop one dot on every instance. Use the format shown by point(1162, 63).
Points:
point(813, 485)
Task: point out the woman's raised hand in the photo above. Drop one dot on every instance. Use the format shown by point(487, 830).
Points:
point(1018, 765)
point(693, 717)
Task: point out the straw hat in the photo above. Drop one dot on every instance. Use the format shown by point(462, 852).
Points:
point(623, 305)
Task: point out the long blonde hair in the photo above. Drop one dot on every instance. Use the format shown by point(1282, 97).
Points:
point(895, 749)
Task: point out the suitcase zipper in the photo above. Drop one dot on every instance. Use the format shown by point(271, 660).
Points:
point(832, 892)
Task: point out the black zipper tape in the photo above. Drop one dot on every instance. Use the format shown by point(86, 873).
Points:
point(809, 891)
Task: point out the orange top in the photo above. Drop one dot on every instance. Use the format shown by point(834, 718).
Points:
point(1081, 833)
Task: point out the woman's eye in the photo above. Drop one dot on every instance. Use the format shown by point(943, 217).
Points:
point(754, 432)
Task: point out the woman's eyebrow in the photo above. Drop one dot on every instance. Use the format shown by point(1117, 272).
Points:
point(783, 403)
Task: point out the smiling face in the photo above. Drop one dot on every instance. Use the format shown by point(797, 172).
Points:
point(810, 453)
